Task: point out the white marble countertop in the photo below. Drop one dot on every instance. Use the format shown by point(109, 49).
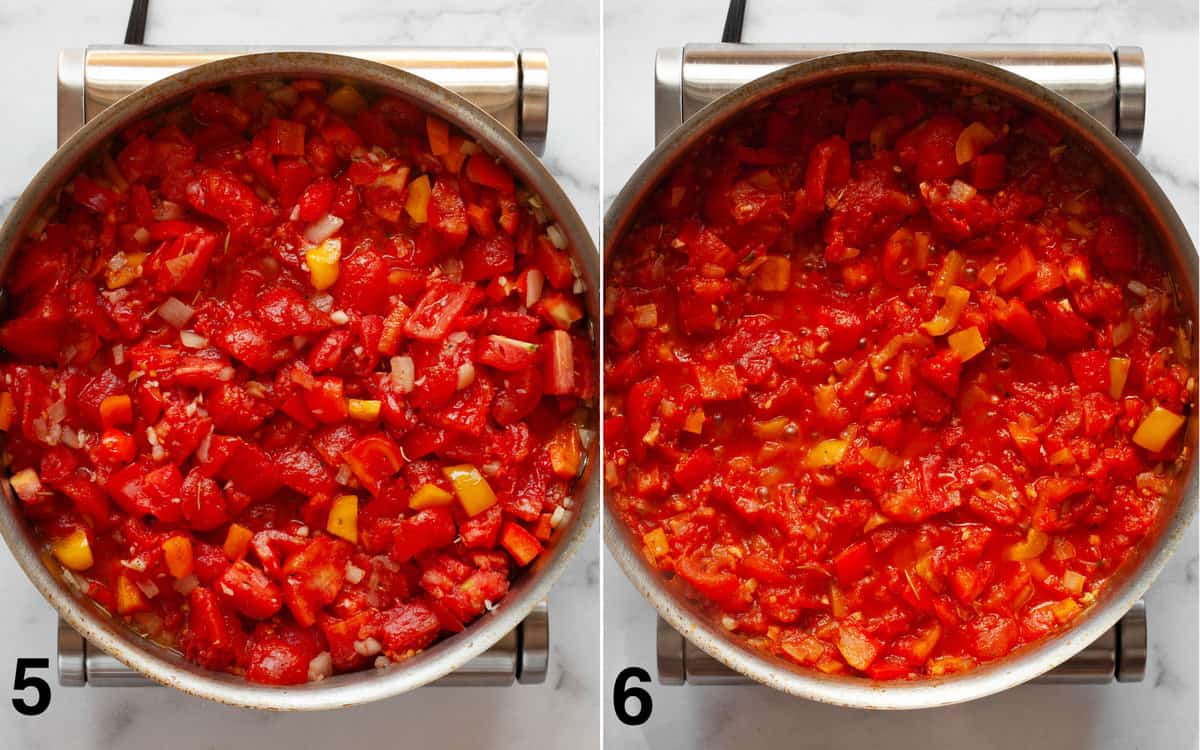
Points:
point(1158, 714)
point(558, 713)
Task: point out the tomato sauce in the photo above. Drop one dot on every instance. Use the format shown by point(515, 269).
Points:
point(895, 378)
point(295, 379)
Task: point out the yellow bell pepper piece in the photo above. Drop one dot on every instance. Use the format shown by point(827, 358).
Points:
point(177, 553)
point(952, 266)
point(947, 317)
point(127, 270)
point(364, 410)
point(428, 496)
point(1118, 373)
point(967, 342)
point(774, 274)
point(130, 598)
point(1034, 545)
point(472, 489)
point(323, 262)
point(346, 101)
point(417, 204)
point(826, 453)
point(770, 429)
point(656, 542)
point(74, 551)
point(1157, 429)
point(343, 518)
point(973, 139)
point(695, 421)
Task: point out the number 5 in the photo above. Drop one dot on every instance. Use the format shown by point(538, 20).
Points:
point(21, 681)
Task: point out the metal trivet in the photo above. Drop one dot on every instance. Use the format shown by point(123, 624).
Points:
point(1109, 83)
point(511, 85)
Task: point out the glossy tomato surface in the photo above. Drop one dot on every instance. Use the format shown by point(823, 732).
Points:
point(294, 379)
point(895, 378)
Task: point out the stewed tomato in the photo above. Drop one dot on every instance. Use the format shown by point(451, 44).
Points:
point(896, 378)
point(283, 385)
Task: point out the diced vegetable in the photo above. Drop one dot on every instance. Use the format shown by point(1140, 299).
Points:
point(947, 316)
point(474, 493)
point(130, 598)
point(439, 135)
point(27, 486)
point(1118, 372)
point(116, 411)
point(74, 551)
point(429, 495)
point(1157, 429)
point(178, 555)
point(774, 274)
point(967, 343)
point(7, 410)
point(343, 518)
point(417, 203)
point(364, 410)
point(522, 545)
point(973, 140)
point(655, 542)
point(237, 541)
point(324, 264)
point(1034, 545)
point(826, 453)
point(560, 363)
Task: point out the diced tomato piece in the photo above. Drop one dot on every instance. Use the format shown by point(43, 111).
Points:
point(437, 311)
point(285, 138)
point(522, 545)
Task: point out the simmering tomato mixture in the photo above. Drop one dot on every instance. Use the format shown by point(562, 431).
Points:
point(295, 379)
point(895, 378)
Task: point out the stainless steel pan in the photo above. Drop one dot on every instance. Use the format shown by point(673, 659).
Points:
point(1127, 585)
point(166, 666)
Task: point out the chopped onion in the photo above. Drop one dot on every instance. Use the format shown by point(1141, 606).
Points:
point(322, 229)
point(534, 281)
point(403, 373)
point(186, 584)
point(192, 340)
point(118, 354)
point(57, 412)
point(339, 317)
point(343, 475)
point(354, 574)
point(466, 375)
point(557, 517)
point(175, 312)
point(202, 449)
point(556, 236)
point(142, 235)
point(322, 301)
point(1138, 288)
point(320, 667)
point(961, 191)
point(148, 588)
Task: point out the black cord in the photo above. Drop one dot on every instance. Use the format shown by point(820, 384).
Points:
point(135, 32)
point(733, 22)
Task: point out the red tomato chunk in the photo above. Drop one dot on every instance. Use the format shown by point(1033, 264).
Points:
point(895, 379)
point(284, 384)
